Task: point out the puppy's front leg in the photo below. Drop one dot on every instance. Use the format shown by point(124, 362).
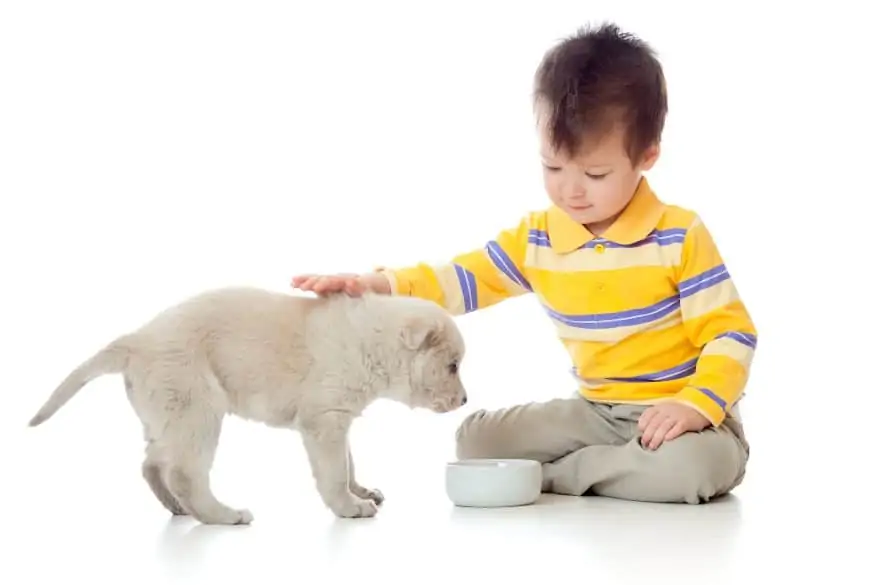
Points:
point(358, 490)
point(325, 438)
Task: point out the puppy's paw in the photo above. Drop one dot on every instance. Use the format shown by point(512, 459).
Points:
point(245, 517)
point(224, 516)
point(367, 494)
point(355, 507)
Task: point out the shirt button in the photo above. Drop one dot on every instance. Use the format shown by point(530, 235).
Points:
point(599, 248)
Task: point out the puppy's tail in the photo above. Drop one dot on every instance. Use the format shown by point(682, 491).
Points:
point(111, 359)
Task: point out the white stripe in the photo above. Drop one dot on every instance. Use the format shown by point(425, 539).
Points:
point(589, 259)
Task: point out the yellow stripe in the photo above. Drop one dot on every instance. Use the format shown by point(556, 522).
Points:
point(645, 353)
point(633, 392)
point(699, 251)
point(591, 383)
point(723, 375)
point(419, 281)
point(612, 291)
point(645, 401)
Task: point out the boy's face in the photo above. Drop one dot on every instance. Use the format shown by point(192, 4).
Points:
point(596, 185)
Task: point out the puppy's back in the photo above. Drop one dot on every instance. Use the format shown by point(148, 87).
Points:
point(226, 311)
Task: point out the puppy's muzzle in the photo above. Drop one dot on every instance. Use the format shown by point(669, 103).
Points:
point(449, 403)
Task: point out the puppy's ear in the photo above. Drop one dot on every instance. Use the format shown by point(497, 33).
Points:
point(421, 333)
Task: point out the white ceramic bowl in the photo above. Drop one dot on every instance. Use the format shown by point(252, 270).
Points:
point(491, 483)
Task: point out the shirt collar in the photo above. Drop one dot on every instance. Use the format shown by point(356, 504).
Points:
point(636, 221)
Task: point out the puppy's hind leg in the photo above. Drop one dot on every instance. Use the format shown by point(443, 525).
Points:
point(153, 468)
point(154, 473)
point(182, 409)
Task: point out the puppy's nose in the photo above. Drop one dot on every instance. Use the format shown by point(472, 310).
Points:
point(463, 400)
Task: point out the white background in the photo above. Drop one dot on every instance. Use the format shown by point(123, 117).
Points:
point(149, 150)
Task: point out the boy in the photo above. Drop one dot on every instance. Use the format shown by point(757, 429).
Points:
point(661, 344)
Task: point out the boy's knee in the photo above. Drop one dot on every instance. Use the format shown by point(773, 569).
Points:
point(697, 467)
point(473, 437)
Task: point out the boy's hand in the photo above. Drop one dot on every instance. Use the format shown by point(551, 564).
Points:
point(352, 284)
point(667, 421)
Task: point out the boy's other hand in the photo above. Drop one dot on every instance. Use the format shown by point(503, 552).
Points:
point(351, 284)
point(667, 421)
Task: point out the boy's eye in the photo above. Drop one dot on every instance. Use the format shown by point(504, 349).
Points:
point(596, 177)
point(551, 169)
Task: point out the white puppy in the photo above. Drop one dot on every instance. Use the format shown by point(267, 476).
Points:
point(307, 364)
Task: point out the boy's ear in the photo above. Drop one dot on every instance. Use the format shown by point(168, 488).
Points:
point(421, 333)
point(650, 156)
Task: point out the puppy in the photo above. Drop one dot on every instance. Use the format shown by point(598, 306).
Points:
point(307, 364)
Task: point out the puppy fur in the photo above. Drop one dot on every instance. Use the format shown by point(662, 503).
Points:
point(307, 364)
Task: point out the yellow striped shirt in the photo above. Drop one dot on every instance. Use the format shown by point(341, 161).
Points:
point(647, 311)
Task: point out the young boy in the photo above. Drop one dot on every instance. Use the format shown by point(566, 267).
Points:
point(660, 341)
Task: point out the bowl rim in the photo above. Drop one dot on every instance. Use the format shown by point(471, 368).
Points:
point(491, 463)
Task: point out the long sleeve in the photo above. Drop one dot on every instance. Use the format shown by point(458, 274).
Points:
point(472, 280)
point(717, 322)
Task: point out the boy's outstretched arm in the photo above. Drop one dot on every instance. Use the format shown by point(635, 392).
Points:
point(468, 282)
point(717, 322)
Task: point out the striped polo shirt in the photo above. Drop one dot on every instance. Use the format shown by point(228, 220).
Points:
point(647, 311)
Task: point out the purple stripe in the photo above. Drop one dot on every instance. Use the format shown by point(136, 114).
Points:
point(703, 281)
point(675, 373)
point(538, 237)
point(468, 286)
point(505, 264)
point(719, 401)
point(620, 319)
point(743, 338)
point(660, 237)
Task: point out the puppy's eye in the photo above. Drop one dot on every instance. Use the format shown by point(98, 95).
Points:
point(453, 367)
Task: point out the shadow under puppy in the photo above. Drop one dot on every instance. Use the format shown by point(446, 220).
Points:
point(307, 364)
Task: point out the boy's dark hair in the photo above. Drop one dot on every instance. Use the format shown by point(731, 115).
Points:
point(596, 78)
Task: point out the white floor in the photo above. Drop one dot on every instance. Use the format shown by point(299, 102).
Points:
point(77, 508)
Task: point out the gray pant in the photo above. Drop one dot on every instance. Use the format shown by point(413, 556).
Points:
point(591, 447)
